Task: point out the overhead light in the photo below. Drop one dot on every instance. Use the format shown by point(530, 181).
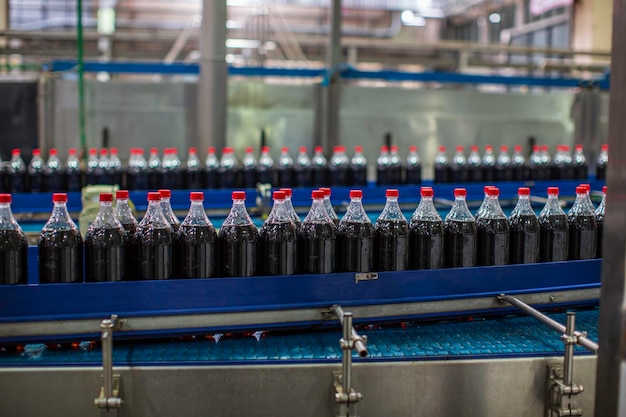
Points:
point(409, 18)
point(495, 18)
point(235, 24)
point(243, 43)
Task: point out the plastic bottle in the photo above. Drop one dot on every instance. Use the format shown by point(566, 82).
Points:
point(35, 172)
point(553, 225)
point(106, 176)
point(196, 242)
point(524, 231)
point(303, 169)
point(53, 173)
point(583, 228)
point(488, 164)
point(211, 165)
point(171, 169)
point(546, 162)
point(338, 167)
point(483, 205)
point(474, 165)
point(458, 169)
point(442, 167)
point(358, 168)
point(16, 173)
point(137, 173)
point(413, 167)
point(319, 168)
point(426, 234)
point(115, 166)
point(535, 167)
point(238, 241)
point(602, 162)
point(248, 169)
point(229, 169)
point(459, 231)
point(124, 215)
point(284, 169)
point(567, 170)
point(194, 172)
point(317, 239)
point(105, 245)
point(492, 233)
point(154, 169)
point(277, 240)
point(355, 238)
point(289, 207)
point(518, 165)
point(167, 210)
point(329, 206)
point(587, 200)
point(504, 170)
point(395, 166)
point(581, 169)
point(557, 163)
point(600, 212)
point(154, 242)
point(73, 172)
point(383, 174)
point(60, 246)
point(391, 236)
point(13, 246)
point(265, 170)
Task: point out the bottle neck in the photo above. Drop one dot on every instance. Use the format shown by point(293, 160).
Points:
point(105, 217)
point(493, 209)
point(154, 216)
point(523, 206)
point(7, 221)
point(459, 211)
point(582, 205)
point(168, 212)
point(279, 213)
point(238, 215)
point(426, 210)
point(196, 215)
point(60, 218)
point(356, 212)
point(602, 206)
point(552, 207)
point(123, 211)
point(318, 213)
point(392, 210)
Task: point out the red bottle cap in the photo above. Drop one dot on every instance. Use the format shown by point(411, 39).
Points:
point(72, 151)
point(5, 198)
point(581, 190)
point(165, 193)
point(412, 148)
point(427, 192)
point(196, 196)
point(559, 148)
point(587, 187)
point(16, 152)
point(517, 148)
point(59, 198)
point(36, 152)
point(536, 148)
point(154, 196)
point(303, 149)
point(284, 149)
point(460, 192)
point(249, 149)
point(326, 191)
point(121, 194)
point(356, 194)
point(358, 149)
point(287, 191)
point(566, 148)
point(604, 147)
point(154, 151)
point(489, 148)
point(316, 194)
point(442, 148)
point(553, 190)
point(578, 147)
point(211, 151)
point(392, 193)
point(604, 189)
point(319, 149)
point(523, 191)
point(265, 149)
point(384, 149)
point(394, 148)
point(474, 148)
point(239, 195)
point(544, 148)
point(106, 197)
point(139, 151)
point(487, 187)
point(493, 192)
point(52, 152)
point(279, 195)
point(504, 148)
point(460, 148)
point(227, 151)
point(114, 151)
point(193, 150)
point(104, 152)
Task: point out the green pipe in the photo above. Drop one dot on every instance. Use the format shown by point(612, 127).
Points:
point(81, 79)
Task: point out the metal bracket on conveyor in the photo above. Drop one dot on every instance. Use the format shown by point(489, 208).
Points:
point(345, 395)
point(562, 391)
point(109, 399)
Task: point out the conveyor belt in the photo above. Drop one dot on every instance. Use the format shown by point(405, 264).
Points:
point(513, 336)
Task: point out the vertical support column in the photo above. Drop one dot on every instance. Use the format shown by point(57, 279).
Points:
point(212, 84)
point(611, 374)
point(329, 109)
point(4, 25)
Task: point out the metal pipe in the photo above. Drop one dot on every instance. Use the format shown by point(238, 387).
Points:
point(568, 363)
point(555, 325)
point(359, 344)
point(346, 381)
point(107, 357)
